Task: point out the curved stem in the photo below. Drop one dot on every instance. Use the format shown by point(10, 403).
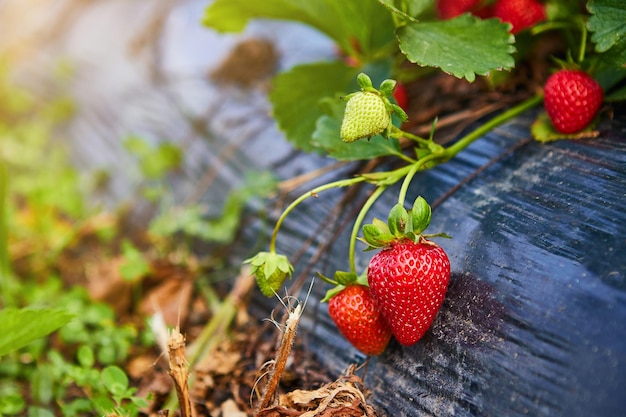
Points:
point(359, 220)
point(311, 193)
point(398, 133)
point(485, 128)
point(407, 181)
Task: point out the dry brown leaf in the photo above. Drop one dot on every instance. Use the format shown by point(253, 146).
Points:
point(171, 299)
point(230, 409)
point(341, 398)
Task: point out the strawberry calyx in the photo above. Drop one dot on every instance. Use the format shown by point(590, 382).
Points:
point(270, 271)
point(401, 225)
point(341, 280)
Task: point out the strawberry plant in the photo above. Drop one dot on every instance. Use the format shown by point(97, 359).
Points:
point(332, 108)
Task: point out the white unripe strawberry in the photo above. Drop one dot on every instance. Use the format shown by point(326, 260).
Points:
point(368, 112)
point(366, 115)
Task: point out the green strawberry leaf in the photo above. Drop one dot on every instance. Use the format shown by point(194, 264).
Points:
point(297, 93)
point(463, 46)
point(326, 136)
point(359, 27)
point(608, 24)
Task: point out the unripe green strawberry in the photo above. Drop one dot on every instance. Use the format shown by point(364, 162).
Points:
point(409, 282)
point(357, 317)
point(366, 115)
point(270, 271)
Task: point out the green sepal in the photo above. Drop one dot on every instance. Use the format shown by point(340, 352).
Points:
point(373, 236)
point(355, 280)
point(401, 225)
point(345, 278)
point(332, 292)
point(381, 225)
point(431, 235)
point(325, 278)
point(362, 279)
point(364, 81)
point(387, 87)
point(398, 220)
point(420, 215)
point(345, 98)
point(399, 111)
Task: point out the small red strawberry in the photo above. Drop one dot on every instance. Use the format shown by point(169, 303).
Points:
point(357, 317)
point(448, 9)
point(521, 14)
point(401, 96)
point(572, 99)
point(409, 282)
point(409, 277)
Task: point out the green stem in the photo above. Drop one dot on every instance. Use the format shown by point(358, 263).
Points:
point(399, 133)
point(464, 142)
point(311, 193)
point(359, 220)
point(485, 128)
point(409, 176)
point(583, 42)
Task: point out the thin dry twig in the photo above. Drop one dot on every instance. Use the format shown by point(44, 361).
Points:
point(281, 358)
point(179, 370)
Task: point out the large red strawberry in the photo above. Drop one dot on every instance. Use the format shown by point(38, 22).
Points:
point(357, 317)
point(409, 282)
point(521, 14)
point(409, 277)
point(572, 99)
